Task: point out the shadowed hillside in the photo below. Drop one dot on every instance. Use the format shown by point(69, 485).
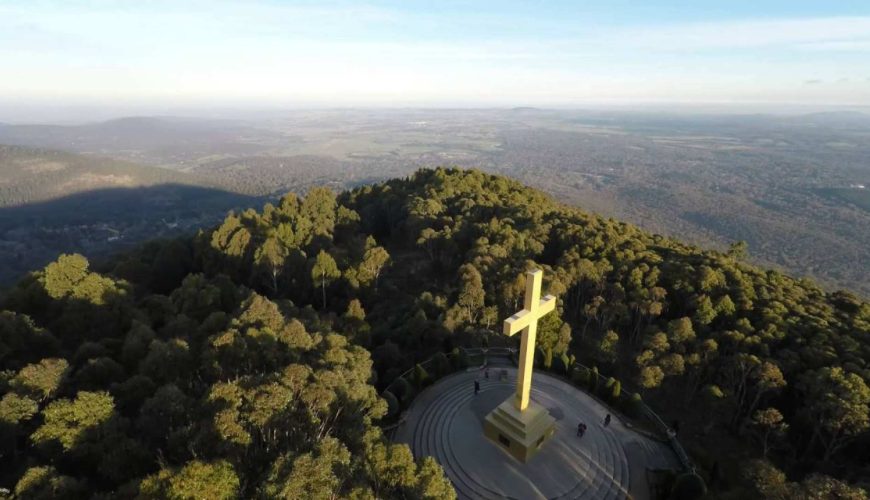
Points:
point(100, 222)
point(30, 175)
point(53, 202)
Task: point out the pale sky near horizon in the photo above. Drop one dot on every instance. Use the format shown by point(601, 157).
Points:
point(410, 53)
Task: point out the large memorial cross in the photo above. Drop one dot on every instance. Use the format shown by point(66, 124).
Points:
point(518, 424)
point(526, 321)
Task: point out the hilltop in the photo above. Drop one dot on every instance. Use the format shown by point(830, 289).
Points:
point(248, 359)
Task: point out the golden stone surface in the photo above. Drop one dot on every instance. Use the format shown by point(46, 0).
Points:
point(518, 424)
point(520, 432)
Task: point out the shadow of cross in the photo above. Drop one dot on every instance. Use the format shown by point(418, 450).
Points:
point(526, 321)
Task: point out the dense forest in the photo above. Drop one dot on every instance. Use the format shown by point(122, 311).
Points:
point(247, 360)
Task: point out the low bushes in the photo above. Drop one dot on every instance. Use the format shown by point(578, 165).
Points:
point(421, 377)
point(610, 390)
point(459, 359)
point(633, 406)
point(441, 365)
point(403, 390)
point(393, 406)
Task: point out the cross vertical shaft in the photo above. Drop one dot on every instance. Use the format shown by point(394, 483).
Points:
point(526, 321)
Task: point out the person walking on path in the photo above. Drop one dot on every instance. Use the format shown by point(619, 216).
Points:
point(476, 387)
point(486, 373)
point(581, 429)
point(607, 420)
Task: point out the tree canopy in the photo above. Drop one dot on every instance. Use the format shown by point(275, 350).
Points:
point(253, 365)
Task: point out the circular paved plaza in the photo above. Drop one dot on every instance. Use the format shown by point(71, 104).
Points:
point(446, 422)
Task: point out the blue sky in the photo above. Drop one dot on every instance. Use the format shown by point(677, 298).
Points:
point(441, 53)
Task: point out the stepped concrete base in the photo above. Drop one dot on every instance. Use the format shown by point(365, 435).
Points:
point(520, 433)
point(446, 421)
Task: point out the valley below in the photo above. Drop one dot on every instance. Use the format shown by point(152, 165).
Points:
point(792, 186)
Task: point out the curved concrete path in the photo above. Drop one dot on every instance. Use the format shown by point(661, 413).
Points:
point(446, 422)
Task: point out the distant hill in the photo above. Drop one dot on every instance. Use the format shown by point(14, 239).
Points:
point(30, 175)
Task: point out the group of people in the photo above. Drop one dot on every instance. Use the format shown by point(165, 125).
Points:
point(581, 427)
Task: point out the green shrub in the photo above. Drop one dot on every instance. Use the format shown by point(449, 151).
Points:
point(402, 389)
point(634, 406)
point(688, 486)
point(608, 387)
point(580, 376)
point(594, 380)
point(440, 365)
point(459, 359)
point(421, 376)
point(548, 359)
point(615, 391)
point(568, 361)
point(393, 406)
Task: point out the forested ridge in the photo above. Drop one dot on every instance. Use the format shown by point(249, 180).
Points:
point(248, 360)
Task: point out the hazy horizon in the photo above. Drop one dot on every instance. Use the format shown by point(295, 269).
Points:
point(78, 114)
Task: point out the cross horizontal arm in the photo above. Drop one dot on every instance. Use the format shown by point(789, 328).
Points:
point(522, 319)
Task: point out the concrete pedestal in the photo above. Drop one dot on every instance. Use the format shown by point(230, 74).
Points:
point(520, 433)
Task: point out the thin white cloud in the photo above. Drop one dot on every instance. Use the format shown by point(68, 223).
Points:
point(833, 32)
point(848, 34)
point(838, 46)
